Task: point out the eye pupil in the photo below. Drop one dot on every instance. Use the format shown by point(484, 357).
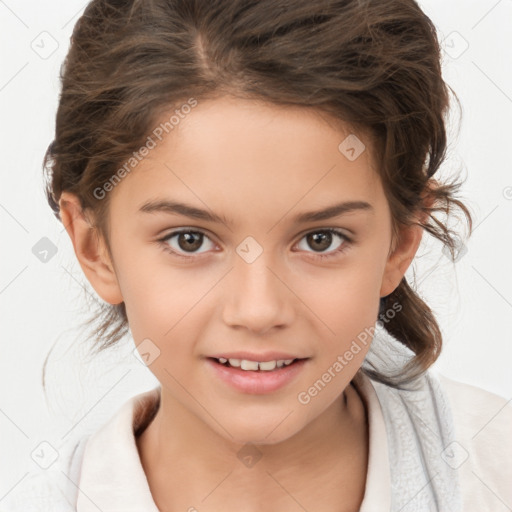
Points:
point(192, 240)
point(325, 239)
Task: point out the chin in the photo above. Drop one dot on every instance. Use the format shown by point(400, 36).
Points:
point(263, 433)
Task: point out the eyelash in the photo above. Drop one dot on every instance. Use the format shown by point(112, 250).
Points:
point(320, 256)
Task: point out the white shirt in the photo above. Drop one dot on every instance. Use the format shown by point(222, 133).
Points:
point(127, 489)
point(107, 470)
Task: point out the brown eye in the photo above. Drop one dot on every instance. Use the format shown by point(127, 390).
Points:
point(185, 242)
point(190, 241)
point(323, 239)
point(319, 241)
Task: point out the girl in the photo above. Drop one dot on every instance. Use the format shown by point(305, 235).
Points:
point(245, 184)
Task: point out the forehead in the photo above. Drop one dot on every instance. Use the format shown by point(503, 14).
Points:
point(251, 155)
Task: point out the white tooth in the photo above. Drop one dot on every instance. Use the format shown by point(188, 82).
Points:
point(235, 362)
point(248, 365)
point(223, 360)
point(288, 361)
point(280, 363)
point(267, 365)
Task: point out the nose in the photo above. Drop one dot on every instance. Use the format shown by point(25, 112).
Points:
point(257, 297)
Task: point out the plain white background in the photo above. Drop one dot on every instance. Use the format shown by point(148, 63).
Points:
point(41, 303)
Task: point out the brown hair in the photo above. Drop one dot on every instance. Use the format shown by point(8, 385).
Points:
point(373, 64)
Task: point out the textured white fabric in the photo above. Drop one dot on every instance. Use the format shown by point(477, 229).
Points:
point(482, 451)
point(377, 494)
point(422, 427)
point(450, 443)
point(445, 447)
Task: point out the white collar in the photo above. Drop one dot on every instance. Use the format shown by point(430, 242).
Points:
point(112, 477)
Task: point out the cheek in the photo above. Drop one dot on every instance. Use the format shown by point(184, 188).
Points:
point(344, 299)
point(160, 303)
point(166, 303)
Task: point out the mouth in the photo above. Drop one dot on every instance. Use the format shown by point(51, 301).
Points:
point(256, 377)
point(255, 366)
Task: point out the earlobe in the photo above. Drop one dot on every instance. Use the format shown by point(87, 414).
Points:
point(90, 249)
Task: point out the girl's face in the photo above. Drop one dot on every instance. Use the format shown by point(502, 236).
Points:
point(272, 268)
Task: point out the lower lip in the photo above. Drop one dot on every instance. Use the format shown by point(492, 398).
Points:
point(257, 382)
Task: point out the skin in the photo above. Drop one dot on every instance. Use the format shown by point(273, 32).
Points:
point(258, 165)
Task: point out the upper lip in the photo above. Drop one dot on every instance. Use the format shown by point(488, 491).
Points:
point(252, 356)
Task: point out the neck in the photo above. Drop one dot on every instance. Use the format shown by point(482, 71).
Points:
point(323, 467)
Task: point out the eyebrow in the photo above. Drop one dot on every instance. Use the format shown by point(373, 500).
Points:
point(175, 207)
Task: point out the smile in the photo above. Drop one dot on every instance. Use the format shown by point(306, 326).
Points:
point(256, 377)
point(245, 364)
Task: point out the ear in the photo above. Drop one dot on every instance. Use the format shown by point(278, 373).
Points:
point(401, 257)
point(90, 249)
